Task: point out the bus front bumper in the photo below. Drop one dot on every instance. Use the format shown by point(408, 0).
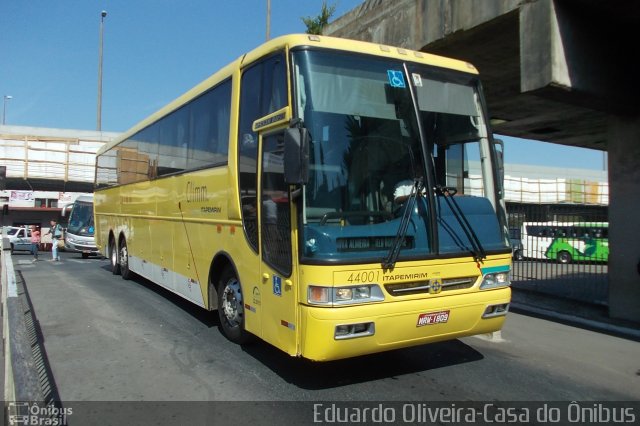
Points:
point(336, 333)
point(81, 248)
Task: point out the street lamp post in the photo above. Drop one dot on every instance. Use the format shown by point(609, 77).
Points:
point(99, 113)
point(4, 108)
point(268, 19)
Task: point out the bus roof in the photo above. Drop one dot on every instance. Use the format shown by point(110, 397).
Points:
point(88, 198)
point(295, 40)
point(580, 224)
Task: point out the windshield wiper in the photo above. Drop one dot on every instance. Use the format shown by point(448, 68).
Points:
point(448, 194)
point(392, 257)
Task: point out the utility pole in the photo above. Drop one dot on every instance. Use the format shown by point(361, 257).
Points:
point(268, 19)
point(4, 107)
point(103, 14)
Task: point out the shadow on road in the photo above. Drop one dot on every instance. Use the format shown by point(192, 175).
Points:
point(47, 381)
point(209, 319)
point(316, 375)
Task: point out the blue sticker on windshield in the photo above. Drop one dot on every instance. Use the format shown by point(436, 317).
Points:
point(396, 78)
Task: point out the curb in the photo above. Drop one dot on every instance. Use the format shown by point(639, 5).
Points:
point(613, 329)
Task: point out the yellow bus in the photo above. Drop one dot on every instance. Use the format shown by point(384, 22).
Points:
point(334, 198)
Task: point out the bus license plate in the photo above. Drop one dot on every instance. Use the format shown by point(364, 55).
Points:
point(432, 318)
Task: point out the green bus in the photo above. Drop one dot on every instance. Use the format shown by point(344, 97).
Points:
point(566, 242)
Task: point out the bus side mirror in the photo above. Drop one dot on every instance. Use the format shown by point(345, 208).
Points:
point(296, 155)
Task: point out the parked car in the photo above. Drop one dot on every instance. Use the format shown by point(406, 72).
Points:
point(19, 238)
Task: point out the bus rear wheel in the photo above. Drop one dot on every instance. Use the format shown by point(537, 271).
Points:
point(564, 257)
point(123, 260)
point(231, 307)
point(113, 256)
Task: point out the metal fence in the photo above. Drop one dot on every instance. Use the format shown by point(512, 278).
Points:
point(560, 250)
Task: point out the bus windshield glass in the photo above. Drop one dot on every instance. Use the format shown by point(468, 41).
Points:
point(464, 161)
point(81, 219)
point(367, 159)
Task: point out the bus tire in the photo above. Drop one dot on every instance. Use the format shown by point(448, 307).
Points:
point(564, 257)
point(113, 257)
point(231, 307)
point(517, 255)
point(123, 260)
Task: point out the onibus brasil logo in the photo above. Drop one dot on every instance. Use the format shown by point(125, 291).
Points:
point(34, 413)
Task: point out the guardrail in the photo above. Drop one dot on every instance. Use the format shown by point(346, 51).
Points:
point(21, 380)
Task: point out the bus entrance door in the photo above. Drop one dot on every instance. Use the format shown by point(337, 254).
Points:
point(278, 298)
point(279, 319)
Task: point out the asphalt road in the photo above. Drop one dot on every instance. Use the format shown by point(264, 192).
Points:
point(107, 339)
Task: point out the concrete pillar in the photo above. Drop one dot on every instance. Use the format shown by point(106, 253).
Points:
point(624, 226)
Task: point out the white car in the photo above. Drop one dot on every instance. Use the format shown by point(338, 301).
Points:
point(19, 238)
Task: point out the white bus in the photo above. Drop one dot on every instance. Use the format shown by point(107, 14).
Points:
point(566, 241)
point(79, 236)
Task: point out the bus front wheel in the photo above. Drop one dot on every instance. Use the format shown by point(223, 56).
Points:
point(517, 255)
point(231, 307)
point(564, 257)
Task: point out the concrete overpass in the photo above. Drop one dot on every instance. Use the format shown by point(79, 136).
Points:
point(553, 70)
point(43, 159)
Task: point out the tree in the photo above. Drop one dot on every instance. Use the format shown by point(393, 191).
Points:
point(316, 25)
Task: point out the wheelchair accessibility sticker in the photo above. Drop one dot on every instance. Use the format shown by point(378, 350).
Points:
point(277, 285)
point(396, 78)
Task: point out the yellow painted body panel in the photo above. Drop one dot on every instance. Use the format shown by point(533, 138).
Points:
point(396, 318)
point(396, 324)
point(164, 227)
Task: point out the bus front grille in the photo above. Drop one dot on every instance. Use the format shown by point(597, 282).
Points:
point(448, 284)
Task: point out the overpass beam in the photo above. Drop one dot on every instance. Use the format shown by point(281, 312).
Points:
point(577, 53)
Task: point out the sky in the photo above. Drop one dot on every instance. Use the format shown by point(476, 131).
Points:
point(153, 51)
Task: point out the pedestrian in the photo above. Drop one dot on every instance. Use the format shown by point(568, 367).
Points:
point(35, 242)
point(56, 234)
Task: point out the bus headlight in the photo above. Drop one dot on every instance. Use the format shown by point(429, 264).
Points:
point(331, 296)
point(495, 280)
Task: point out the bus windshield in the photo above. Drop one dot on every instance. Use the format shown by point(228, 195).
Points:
point(367, 158)
point(81, 219)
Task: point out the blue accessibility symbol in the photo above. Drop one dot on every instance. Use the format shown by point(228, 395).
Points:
point(396, 79)
point(277, 285)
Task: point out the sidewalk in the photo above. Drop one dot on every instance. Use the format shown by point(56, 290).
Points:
point(571, 312)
